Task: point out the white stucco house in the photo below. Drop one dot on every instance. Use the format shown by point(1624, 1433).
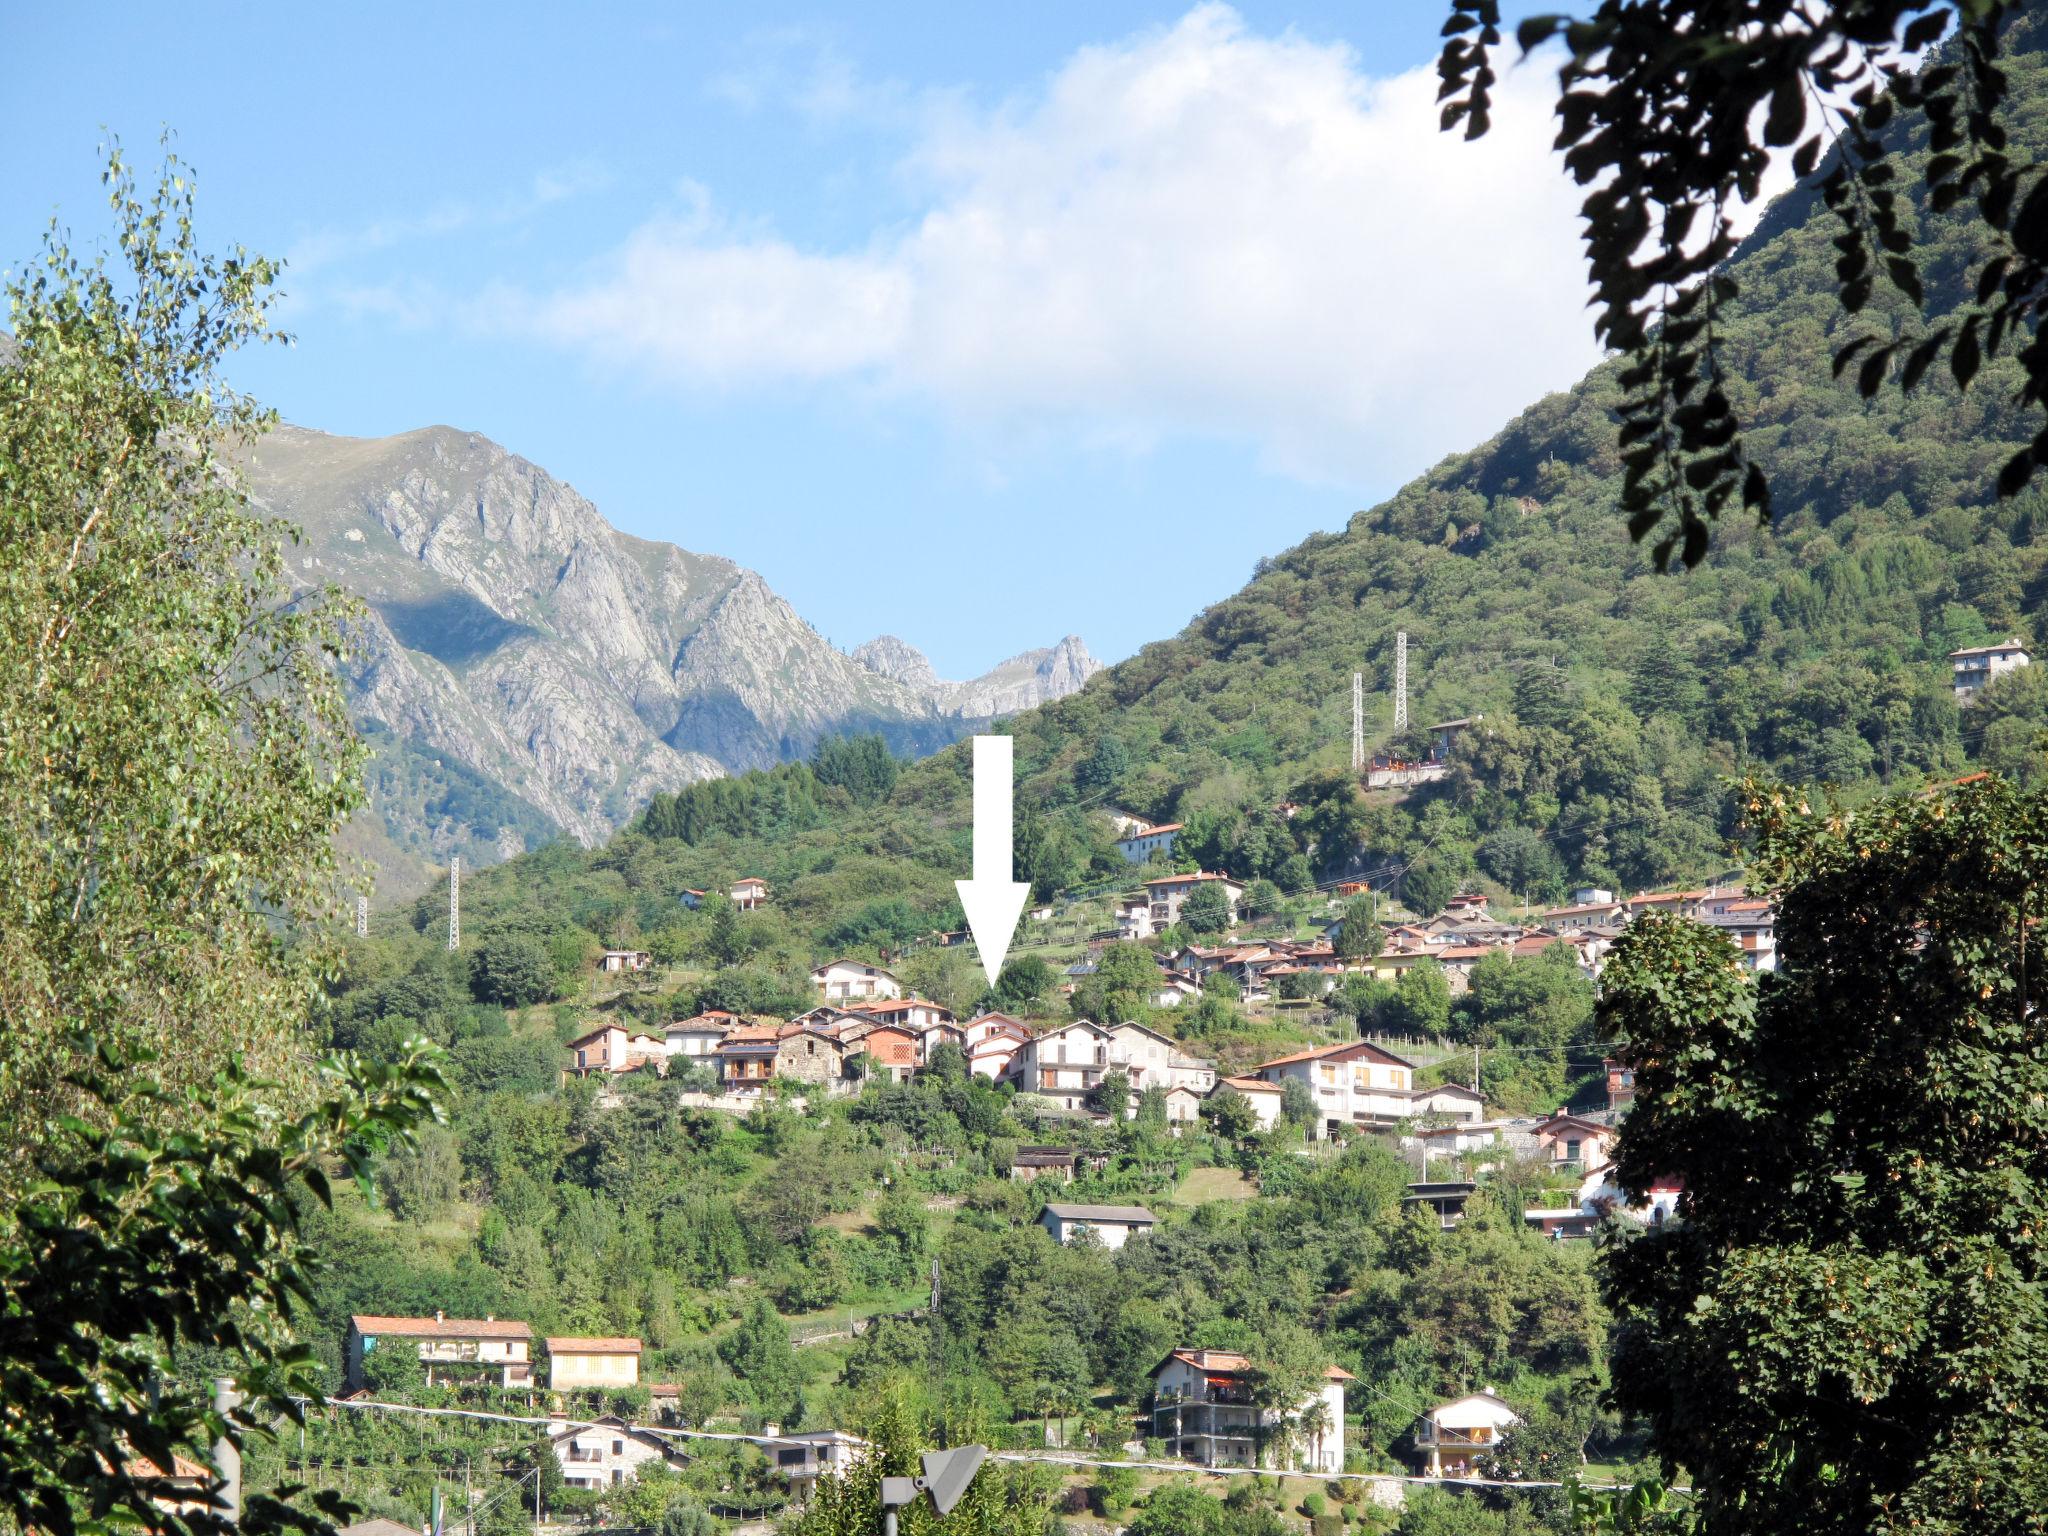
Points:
point(604, 1453)
point(1451, 1437)
point(1202, 1408)
point(1112, 1225)
point(838, 980)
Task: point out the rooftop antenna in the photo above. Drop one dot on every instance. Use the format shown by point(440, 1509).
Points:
point(1400, 680)
point(1357, 721)
point(455, 902)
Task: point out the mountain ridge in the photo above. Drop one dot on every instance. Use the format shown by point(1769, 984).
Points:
point(569, 669)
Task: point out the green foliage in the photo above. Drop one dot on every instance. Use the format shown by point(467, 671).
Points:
point(151, 1250)
point(513, 969)
point(863, 766)
point(1003, 1500)
point(1206, 909)
point(1179, 1508)
point(175, 757)
point(760, 1355)
point(1843, 1316)
point(1670, 117)
point(1361, 937)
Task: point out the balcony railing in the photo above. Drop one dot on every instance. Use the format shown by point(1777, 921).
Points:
point(1455, 1439)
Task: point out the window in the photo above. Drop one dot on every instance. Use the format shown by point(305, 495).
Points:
point(618, 1476)
point(1571, 1150)
point(618, 1447)
point(790, 1456)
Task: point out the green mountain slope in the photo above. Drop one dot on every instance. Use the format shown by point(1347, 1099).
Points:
point(1614, 698)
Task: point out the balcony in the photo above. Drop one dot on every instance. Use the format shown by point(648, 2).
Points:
point(1429, 1437)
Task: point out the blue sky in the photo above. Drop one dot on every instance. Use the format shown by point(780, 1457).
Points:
point(977, 325)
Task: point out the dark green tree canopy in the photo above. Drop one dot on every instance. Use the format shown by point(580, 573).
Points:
point(1669, 114)
point(1838, 1333)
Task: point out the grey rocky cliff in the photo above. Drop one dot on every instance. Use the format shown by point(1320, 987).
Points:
point(526, 670)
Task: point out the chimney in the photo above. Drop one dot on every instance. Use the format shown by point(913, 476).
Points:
point(227, 1457)
point(440, 1316)
point(490, 1317)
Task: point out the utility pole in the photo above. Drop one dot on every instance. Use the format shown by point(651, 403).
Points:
point(1357, 721)
point(1475, 1066)
point(455, 917)
point(362, 917)
point(1400, 680)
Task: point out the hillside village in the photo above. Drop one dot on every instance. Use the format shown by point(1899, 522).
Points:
point(1077, 1085)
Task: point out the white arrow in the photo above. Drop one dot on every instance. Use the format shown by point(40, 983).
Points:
point(993, 901)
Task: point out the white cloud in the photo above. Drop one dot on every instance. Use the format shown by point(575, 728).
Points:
point(1196, 230)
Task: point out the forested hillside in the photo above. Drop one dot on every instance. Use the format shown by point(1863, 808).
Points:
point(1614, 698)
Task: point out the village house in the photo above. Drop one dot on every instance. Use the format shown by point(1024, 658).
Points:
point(1168, 892)
point(1452, 1436)
point(1153, 1060)
point(596, 1364)
point(1112, 1225)
point(1621, 1085)
point(698, 1037)
point(451, 1349)
point(1173, 989)
point(993, 1041)
point(1601, 1194)
point(839, 980)
point(806, 1457)
point(1140, 843)
point(749, 893)
point(1183, 1107)
point(1753, 928)
point(1592, 914)
point(612, 1048)
point(1065, 1063)
point(1975, 666)
point(1264, 1097)
point(1134, 921)
point(1202, 1407)
point(605, 1453)
point(746, 1057)
point(1566, 1140)
point(1029, 1164)
point(693, 898)
point(1446, 1197)
point(1357, 1084)
point(891, 1051)
point(813, 1057)
point(913, 1013)
point(624, 960)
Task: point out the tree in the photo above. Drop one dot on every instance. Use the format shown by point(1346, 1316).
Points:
point(175, 762)
point(1179, 1508)
point(1361, 937)
point(1421, 1004)
point(1111, 1095)
point(513, 969)
point(422, 1180)
point(1231, 1115)
point(725, 943)
point(1670, 114)
point(1125, 974)
point(175, 754)
point(1206, 909)
point(1023, 985)
point(1261, 898)
point(1297, 1103)
point(1103, 768)
point(1426, 886)
point(1842, 1317)
point(759, 1352)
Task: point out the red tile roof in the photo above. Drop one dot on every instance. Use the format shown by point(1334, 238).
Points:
point(597, 1346)
point(376, 1326)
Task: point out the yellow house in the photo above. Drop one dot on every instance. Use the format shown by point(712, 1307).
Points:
point(593, 1364)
